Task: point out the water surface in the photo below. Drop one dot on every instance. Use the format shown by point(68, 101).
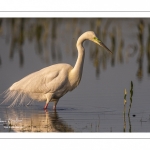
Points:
point(97, 104)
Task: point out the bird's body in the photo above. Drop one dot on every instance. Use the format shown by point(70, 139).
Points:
point(43, 80)
point(51, 83)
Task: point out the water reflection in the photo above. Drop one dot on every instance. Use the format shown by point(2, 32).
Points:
point(148, 50)
point(113, 46)
point(33, 120)
point(17, 39)
point(120, 47)
point(48, 35)
point(141, 49)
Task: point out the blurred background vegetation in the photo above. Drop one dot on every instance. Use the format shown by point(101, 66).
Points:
point(127, 38)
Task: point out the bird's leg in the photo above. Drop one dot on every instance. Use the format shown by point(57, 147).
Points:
point(55, 103)
point(54, 107)
point(49, 98)
point(46, 105)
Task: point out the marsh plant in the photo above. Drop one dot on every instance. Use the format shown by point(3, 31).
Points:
point(125, 101)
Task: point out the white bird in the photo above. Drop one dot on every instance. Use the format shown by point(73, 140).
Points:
point(51, 83)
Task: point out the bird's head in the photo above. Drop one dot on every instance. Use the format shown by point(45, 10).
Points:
point(92, 37)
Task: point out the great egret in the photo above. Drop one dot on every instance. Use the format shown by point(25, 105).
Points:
point(51, 83)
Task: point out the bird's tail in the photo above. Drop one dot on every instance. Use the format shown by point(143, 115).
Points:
point(16, 98)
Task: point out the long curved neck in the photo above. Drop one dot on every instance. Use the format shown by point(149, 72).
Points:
point(76, 72)
point(80, 60)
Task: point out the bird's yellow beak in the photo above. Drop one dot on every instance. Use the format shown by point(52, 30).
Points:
point(97, 41)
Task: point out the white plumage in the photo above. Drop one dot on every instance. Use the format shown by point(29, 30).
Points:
point(51, 83)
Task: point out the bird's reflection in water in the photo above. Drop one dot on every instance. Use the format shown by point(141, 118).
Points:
point(34, 121)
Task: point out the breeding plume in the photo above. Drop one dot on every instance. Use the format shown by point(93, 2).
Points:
point(51, 83)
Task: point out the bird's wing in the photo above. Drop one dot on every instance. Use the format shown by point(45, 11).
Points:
point(43, 81)
point(56, 83)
